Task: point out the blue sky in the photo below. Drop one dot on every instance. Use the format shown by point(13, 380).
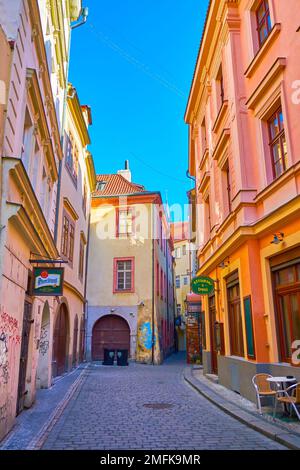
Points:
point(133, 63)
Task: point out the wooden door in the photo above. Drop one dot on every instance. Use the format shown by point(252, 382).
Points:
point(75, 338)
point(81, 341)
point(24, 356)
point(212, 328)
point(288, 306)
point(59, 356)
point(235, 319)
point(110, 332)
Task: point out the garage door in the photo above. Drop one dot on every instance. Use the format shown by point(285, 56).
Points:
point(110, 332)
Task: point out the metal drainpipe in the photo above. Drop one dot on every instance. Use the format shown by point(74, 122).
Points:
point(85, 285)
point(167, 273)
point(153, 288)
point(189, 176)
point(2, 227)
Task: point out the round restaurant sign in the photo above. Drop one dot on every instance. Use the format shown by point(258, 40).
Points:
point(202, 285)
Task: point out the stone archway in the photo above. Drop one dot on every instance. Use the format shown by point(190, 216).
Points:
point(43, 379)
point(111, 332)
point(60, 342)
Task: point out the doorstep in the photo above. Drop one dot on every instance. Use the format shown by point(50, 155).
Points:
point(213, 378)
point(243, 410)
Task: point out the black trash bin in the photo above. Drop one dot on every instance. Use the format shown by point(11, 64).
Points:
point(109, 357)
point(122, 357)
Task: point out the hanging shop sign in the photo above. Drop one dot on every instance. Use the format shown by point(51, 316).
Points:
point(48, 281)
point(203, 285)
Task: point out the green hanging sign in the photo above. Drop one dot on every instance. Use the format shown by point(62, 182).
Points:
point(48, 281)
point(203, 285)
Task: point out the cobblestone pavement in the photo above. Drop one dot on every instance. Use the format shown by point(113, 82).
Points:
point(108, 412)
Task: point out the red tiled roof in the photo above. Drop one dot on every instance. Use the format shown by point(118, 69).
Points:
point(117, 185)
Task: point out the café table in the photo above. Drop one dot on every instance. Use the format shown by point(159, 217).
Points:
point(282, 381)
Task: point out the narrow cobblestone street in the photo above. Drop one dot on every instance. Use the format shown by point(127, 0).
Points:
point(108, 411)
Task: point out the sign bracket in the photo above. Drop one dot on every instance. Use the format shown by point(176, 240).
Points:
point(46, 260)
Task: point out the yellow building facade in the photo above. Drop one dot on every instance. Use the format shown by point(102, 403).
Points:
point(182, 255)
point(130, 272)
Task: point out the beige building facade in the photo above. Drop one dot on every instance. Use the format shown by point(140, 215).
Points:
point(180, 232)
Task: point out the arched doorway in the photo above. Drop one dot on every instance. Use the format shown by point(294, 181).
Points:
point(75, 338)
point(42, 379)
point(81, 340)
point(60, 342)
point(111, 332)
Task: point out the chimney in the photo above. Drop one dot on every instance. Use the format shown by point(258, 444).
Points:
point(126, 173)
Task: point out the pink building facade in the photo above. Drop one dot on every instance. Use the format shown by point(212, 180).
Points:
point(34, 77)
point(243, 115)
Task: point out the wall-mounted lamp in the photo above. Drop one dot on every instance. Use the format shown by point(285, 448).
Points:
point(224, 263)
point(141, 304)
point(278, 238)
point(112, 310)
point(84, 13)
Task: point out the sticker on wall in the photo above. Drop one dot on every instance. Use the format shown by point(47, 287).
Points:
point(145, 338)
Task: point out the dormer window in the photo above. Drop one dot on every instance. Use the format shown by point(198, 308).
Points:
point(100, 185)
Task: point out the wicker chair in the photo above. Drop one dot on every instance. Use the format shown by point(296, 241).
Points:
point(287, 398)
point(262, 388)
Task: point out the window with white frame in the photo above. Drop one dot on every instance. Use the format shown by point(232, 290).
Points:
point(124, 275)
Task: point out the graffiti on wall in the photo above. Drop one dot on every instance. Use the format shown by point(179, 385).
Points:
point(44, 342)
point(9, 338)
point(9, 324)
point(4, 374)
point(144, 344)
point(145, 335)
point(3, 412)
